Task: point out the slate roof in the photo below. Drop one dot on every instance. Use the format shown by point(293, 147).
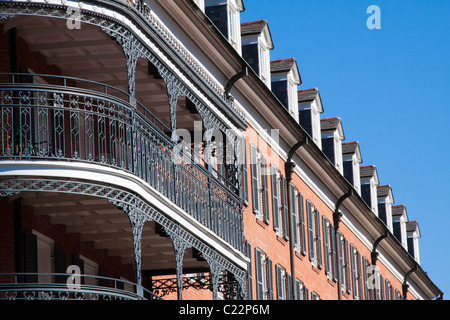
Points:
point(412, 226)
point(255, 27)
point(330, 123)
point(350, 147)
point(398, 210)
point(308, 95)
point(284, 65)
point(383, 191)
point(367, 171)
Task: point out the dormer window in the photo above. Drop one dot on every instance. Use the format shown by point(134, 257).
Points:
point(399, 220)
point(309, 110)
point(369, 183)
point(256, 46)
point(351, 158)
point(225, 14)
point(413, 235)
point(385, 201)
point(332, 136)
point(285, 79)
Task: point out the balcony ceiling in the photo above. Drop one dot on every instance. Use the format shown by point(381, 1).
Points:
point(91, 54)
point(106, 227)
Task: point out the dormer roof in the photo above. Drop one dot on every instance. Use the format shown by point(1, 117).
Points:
point(333, 124)
point(256, 28)
point(368, 172)
point(413, 226)
point(309, 95)
point(349, 148)
point(399, 210)
point(385, 191)
point(285, 66)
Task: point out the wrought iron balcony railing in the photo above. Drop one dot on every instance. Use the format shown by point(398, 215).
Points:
point(57, 119)
point(25, 286)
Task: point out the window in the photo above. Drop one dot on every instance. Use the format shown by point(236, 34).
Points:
point(264, 276)
point(244, 171)
point(281, 282)
point(285, 207)
point(248, 249)
point(260, 189)
point(294, 199)
point(356, 272)
point(344, 267)
point(276, 200)
point(314, 238)
point(327, 247)
point(314, 296)
point(255, 163)
point(299, 289)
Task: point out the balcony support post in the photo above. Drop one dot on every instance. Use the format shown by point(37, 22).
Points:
point(215, 270)
point(179, 247)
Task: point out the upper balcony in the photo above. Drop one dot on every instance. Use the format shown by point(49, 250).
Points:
point(57, 118)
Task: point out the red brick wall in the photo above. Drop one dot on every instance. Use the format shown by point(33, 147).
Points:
point(263, 236)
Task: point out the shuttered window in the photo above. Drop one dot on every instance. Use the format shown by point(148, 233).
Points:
point(305, 293)
point(347, 267)
point(244, 171)
point(276, 198)
point(60, 264)
point(327, 252)
point(334, 252)
point(355, 275)
point(259, 276)
point(289, 286)
point(255, 166)
point(248, 249)
point(269, 278)
point(285, 207)
point(293, 193)
point(365, 277)
point(301, 224)
point(342, 269)
point(265, 190)
point(311, 231)
point(281, 282)
point(314, 234)
point(318, 238)
point(30, 256)
point(299, 289)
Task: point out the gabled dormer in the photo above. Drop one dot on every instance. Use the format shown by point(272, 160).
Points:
point(351, 158)
point(309, 110)
point(369, 183)
point(385, 201)
point(225, 14)
point(413, 235)
point(256, 46)
point(285, 80)
point(332, 136)
point(399, 220)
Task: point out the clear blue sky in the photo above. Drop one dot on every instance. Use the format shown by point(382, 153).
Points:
point(391, 88)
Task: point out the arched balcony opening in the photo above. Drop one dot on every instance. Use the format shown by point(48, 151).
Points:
point(61, 233)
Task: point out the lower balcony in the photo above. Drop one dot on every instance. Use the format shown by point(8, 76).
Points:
point(51, 286)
